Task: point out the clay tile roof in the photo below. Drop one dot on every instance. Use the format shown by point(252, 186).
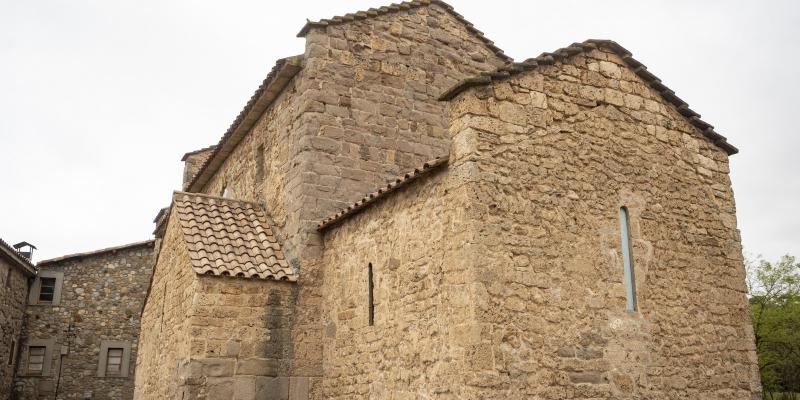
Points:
point(381, 193)
point(16, 259)
point(144, 243)
point(406, 5)
point(575, 48)
point(230, 237)
point(270, 88)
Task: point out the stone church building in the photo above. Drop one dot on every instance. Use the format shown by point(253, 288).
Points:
point(403, 212)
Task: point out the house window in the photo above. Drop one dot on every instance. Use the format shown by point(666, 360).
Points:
point(370, 296)
point(47, 290)
point(260, 164)
point(627, 260)
point(8, 277)
point(114, 361)
point(36, 359)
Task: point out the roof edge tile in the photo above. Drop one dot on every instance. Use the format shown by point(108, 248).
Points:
point(96, 252)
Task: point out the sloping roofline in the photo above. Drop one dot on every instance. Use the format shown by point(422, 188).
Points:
point(96, 252)
point(267, 92)
point(406, 5)
point(185, 156)
point(383, 192)
point(577, 48)
point(24, 265)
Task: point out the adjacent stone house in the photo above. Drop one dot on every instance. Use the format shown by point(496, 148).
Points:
point(81, 330)
point(16, 275)
point(558, 228)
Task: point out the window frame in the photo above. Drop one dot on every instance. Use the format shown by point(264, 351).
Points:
point(47, 360)
point(629, 277)
point(33, 296)
point(125, 364)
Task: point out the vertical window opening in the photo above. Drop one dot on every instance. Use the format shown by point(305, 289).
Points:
point(627, 260)
point(47, 290)
point(12, 352)
point(370, 295)
point(114, 361)
point(36, 359)
point(260, 164)
point(8, 277)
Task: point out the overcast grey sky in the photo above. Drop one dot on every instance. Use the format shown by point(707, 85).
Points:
point(100, 99)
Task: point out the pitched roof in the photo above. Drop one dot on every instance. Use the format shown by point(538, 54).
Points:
point(191, 153)
point(406, 5)
point(16, 259)
point(267, 92)
point(576, 48)
point(95, 252)
point(381, 193)
point(230, 237)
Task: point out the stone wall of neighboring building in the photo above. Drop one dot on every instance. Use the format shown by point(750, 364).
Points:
point(96, 304)
point(192, 161)
point(554, 154)
point(16, 274)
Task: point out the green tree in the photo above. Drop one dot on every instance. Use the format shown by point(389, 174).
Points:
point(774, 290)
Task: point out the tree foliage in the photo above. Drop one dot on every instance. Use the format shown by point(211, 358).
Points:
point(774, 290)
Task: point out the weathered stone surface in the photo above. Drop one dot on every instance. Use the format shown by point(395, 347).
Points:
point(101, 297)
point(14, 284)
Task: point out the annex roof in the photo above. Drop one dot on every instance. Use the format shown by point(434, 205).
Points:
point(227, 237)
point(267, 92)
point(406, 5)
point(576, 48)
point(95, 252)
point(381, 193)
point(16, 259)
point(193, 152)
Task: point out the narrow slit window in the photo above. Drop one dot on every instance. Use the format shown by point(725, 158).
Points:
point(8, 277)
point(370, 295)
point(260, 164)
point(627, 259)
point(36, 359)
point(13, 352)
point(47, 290)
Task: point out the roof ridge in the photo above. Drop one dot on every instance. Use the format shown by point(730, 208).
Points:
point(638, 68)
point(187, 154)
point(382, 192)
point(396, 7)
point(96, 252)
point(211, 196)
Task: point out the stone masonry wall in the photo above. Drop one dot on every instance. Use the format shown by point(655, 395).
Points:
point(362, 110)
point(554, 154)
point(419, 347)
point(13, 297)
point(164, 338)
point(101, 296)
point(206, 337)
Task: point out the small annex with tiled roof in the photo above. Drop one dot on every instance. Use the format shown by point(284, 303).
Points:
point(640, 69)
point(226, 237)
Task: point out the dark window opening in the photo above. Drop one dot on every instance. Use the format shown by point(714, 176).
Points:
point(8, 277)
point(260, 164)
point(627, 260)
point(370, 295)
point(12, 351)
point(47, 290)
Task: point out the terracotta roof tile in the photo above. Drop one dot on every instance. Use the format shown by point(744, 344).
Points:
point(406, 5)
point(382, 192)
point(230, 237)
point(575, 48)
